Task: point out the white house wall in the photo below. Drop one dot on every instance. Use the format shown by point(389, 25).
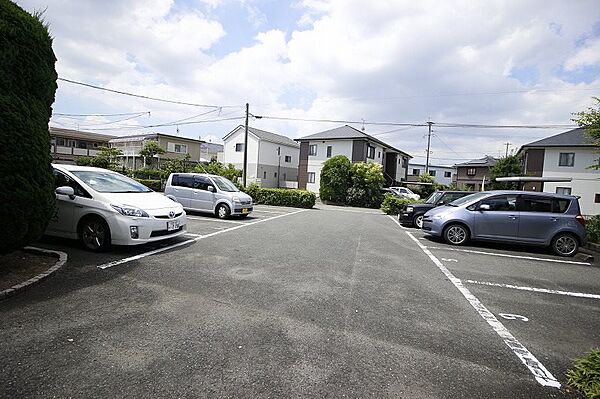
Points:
point(585, 183)
point(271, 172)
point(315, 162)
point(237, 158)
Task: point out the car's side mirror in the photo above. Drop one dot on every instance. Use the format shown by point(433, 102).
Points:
point(211, 189)
point(484, 207)
point(66, 190)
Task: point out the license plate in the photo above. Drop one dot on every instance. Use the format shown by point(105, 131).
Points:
point(172, 225)
point(244, 210)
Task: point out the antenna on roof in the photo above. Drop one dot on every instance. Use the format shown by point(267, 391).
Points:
point(363, 125)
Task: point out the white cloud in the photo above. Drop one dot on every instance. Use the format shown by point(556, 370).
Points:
point(589, 55)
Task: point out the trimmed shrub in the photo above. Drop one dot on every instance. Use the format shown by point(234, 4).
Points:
point(151, 174)
point(367, 182)
point(392, 205)
point(281, 196)
point(335, 179)
point(151, 184)
point(592, 226)
point(585, 375)
point(27, 88)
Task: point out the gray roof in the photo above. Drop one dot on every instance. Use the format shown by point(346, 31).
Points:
point(572, 138)
point(347, 132)
point(485, 161)
point(150, 136)
point(78, 134)
point(267, 136)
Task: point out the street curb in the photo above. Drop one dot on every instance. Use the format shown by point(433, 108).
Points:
point(62, 259)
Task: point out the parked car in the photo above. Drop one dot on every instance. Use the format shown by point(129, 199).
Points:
point(521, 217)
point(100, 207)
point(404, 192)
point(412, 214)
point(208, 193)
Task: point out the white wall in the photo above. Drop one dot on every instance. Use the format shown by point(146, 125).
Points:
point(268, 154)
point(315, 162)
point(237, 158)
point(400, 170)
point(585, 183)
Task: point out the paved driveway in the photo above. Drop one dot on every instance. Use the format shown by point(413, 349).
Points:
point(329, 302)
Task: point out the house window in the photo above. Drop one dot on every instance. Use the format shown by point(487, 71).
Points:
point(81, 144)
point(275, 174)
point(370, 152)
point(265, 174)
point(285, 176)
point(597, 198)
point(288, 158)
point(312, 149)
point(378, 154)
point(311, 177)
point(328, 151)
point(179, 148)
point(563, 190)
point(60, 141)
point(471, 171)
point(416, 172)
point(566, 159)
point(447, 174)
point(432, 173)
point(404, 162)
point(239, 147)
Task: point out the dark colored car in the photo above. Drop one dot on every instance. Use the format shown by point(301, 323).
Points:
point(412, 214)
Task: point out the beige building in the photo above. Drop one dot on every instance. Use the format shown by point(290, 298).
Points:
point(175, 148)
point(67, 145)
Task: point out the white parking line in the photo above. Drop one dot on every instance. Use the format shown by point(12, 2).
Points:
point(534, 289)
point(572, 262)
point(209, 219)
point(541, 374)
point(350, 210)
point(190, 241)
point(263, 211)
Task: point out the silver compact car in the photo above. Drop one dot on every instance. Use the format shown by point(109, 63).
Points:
point(521, 217)
point(208, 193)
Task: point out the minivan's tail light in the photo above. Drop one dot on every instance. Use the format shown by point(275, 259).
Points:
point(581, 220)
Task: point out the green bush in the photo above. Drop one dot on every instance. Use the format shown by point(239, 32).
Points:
point(281, 196)
point(145, 173)
point(335, 179)
point(27, 88)
point(585, 375)
point(367, 182)
point(151, 184)
point(592, 226)
point(392, 205)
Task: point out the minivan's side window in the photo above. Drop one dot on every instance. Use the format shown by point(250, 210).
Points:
point(60, 180)
point(560, 205)
point(536, 204)
point(202, 183)
point(182, 181)
point(507, 203)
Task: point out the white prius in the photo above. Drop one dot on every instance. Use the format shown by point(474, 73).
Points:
point(100, 207)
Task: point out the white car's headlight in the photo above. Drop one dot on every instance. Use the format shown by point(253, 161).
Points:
point(235, 198)
point(409, 209)
point(130, 211)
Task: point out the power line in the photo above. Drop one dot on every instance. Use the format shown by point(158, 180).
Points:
point(134, 127)
point(282, 118)
point(484, 126)
point(120, 114)
point(111, 122)
point(146, 97)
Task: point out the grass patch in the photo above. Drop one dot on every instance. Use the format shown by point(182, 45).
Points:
point(585, 375)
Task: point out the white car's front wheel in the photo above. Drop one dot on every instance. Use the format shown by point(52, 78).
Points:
point(94, 234)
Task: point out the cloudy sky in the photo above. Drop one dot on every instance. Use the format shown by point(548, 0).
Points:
point(471, 62)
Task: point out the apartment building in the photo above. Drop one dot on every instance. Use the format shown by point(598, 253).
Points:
point(357, 146)
point(272, 158)
point(67, 144)
point(475, 174)
point(175, 147)
point(564, 156)
point(441, 174)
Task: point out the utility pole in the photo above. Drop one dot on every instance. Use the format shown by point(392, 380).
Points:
point(246, 146)
point(278, 164)
point(428, 146)
point(506, 153)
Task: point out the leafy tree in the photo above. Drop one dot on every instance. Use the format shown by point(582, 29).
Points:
point(590, 120)
point(335, 179)
point(106, 158)
point(217, 168)
point(367, 182)
point(151, 148)
point(27, 88)
point(426, 190)
point(505, 167)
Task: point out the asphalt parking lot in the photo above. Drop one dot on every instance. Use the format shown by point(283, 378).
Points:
point(329, 302)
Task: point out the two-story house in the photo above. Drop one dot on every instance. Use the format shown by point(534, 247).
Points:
point(474, 174)
point(210, 151)
point(357, 146)
point(441, 174)
point(175, 147)
point(66, 145)
point(567, 155)
point(272, 158)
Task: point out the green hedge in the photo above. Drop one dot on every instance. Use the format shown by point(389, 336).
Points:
point(392, 205)
point(592, 226)
point(585, 375)
point(281, 196)
point(151, 184)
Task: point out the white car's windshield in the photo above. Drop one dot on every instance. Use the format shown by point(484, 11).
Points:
point(224, 184)
point(110, 182)
point(468, 198)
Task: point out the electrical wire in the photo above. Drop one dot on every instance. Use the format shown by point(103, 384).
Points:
point(120, 114)
point(134, 127)
point(282, 118)
point(146, 97)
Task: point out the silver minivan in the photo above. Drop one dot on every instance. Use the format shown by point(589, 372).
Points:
point(208, 193)
point(520, 217)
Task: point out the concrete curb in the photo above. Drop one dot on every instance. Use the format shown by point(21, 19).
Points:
point(62, 259)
